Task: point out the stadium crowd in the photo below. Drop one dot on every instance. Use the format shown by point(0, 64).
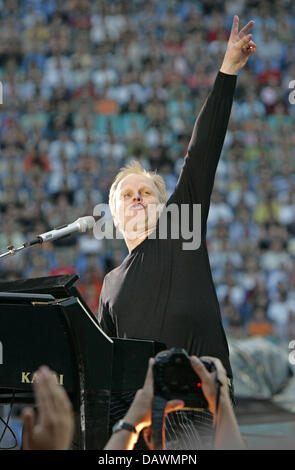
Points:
point(90, 85)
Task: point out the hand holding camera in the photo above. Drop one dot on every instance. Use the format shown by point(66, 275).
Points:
point(207, 371)
point(140, 411)
point(211, 382)
point(183, 381)
point(177, 378)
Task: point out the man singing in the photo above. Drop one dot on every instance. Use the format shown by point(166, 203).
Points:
point(162, 291)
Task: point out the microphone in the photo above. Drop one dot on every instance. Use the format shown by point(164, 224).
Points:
point(80, 225)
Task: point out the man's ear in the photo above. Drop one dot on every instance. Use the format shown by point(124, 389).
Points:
point(115, 221)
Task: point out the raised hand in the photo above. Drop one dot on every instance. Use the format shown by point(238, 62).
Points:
point(140, 412)
point(54, 427)
point(239, 48)
point(208, 379)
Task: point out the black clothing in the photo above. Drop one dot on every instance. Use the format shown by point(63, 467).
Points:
point(160, 291)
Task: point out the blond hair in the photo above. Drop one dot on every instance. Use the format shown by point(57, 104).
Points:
point(135, 168)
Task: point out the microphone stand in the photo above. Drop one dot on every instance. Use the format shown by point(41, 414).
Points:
point(84, 224)
point(12, 251)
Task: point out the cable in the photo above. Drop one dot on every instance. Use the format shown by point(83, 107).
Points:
point(6, 426)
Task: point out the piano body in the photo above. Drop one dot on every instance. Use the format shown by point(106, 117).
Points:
point(44, 321)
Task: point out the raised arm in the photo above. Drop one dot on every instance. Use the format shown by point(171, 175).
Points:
point(196, 180)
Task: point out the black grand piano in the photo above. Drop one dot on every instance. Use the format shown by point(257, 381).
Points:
point(45, 321)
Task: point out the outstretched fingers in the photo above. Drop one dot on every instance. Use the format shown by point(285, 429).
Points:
point(235, 27)
point(244, 31)
point(235, 34)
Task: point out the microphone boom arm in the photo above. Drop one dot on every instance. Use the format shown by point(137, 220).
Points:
point(12, 251)
point(81, 225)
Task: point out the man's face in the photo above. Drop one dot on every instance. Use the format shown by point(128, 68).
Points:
point(137, 204)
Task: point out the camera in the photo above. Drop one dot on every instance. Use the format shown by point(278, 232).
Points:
point(174, 378)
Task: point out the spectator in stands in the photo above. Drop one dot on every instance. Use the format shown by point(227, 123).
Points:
point(281, 312)
point(260, 325)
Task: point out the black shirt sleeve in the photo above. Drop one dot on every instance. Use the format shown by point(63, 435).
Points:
point(104, 317)
point(197, 176)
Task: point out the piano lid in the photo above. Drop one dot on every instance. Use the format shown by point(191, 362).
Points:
point(61, 284)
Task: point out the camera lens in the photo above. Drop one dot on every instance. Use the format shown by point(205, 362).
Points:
point(175, 377)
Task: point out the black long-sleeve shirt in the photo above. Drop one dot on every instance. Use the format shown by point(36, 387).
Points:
point(161, 291)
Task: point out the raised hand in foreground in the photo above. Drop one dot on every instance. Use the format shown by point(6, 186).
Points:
point(53, 429)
